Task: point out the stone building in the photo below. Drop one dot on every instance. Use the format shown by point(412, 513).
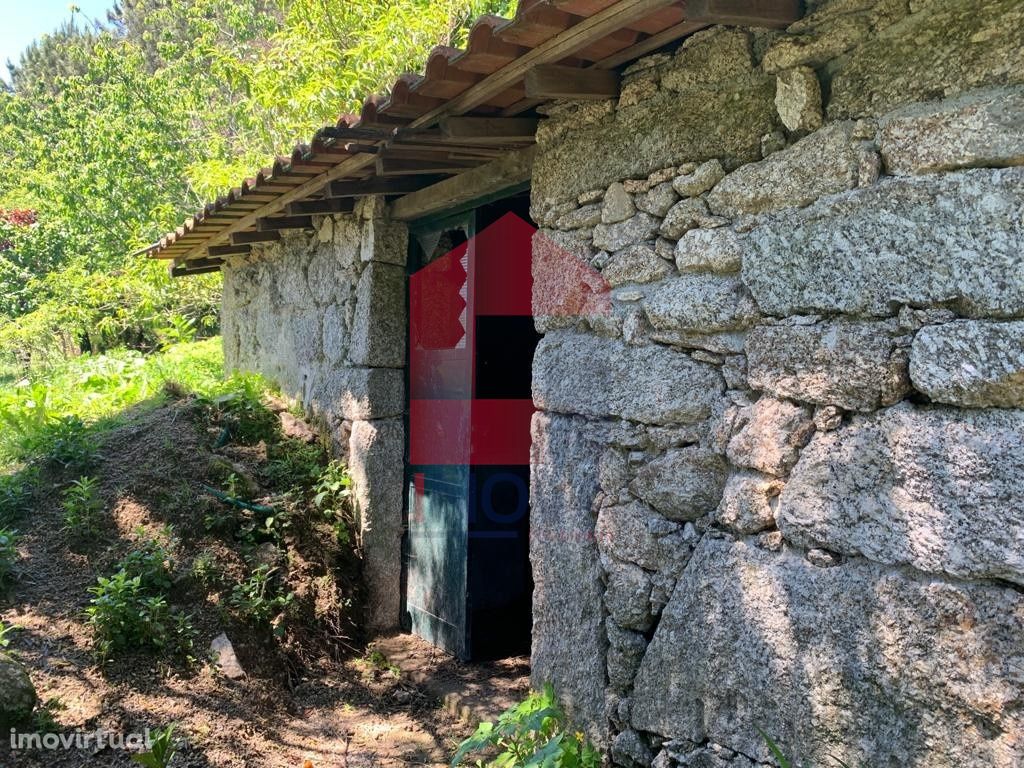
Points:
point(777, 483)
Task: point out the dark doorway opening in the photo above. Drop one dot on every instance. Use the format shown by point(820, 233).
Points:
point(466, 574)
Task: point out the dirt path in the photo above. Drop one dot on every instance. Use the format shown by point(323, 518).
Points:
point(351, 710)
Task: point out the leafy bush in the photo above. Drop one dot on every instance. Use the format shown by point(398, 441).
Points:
point(239, 410)
point(258, 600)
point(151, 562)
point(205, 569)
point(8, 553)
point(333, 496)
point(531, 734)
point(83, 507)
point(16, 491)
point(125, 616)
point(68, 441)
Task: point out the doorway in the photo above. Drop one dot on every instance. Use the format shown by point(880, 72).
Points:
point(466, 573)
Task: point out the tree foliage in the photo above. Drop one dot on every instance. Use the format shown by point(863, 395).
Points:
point(115, 129)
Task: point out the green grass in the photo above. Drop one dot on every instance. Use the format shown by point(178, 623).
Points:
point(98, 389)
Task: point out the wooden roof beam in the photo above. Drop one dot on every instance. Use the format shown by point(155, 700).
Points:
point(380, 186)
point(493, 130)
point(330, 205)
point(229, 250)
point(274, 223)
point(555, 82)
point(747, 13)
point(244, 238)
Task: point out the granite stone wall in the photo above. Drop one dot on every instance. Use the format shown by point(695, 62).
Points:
point(324, 316)
point(781, 485)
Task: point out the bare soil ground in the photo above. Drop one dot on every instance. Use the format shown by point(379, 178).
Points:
point(315, 695)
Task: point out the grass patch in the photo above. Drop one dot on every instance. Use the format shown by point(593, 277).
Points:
point(50, 411)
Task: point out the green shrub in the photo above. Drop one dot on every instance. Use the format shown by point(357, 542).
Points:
point(531, 734)
point(67, 441)
point(151, 562)
point(125, 616)
point(333, 497)
point(83, 507)
point(205, 569)
point(16, 491)
point(259, 600)
point(8, 553)
point(238, 409)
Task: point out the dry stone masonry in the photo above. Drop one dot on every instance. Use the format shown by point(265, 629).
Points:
point(324, 316)
point(779, 485)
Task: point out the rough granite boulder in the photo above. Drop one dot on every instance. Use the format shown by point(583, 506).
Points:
point(982, 128)
point(710, 250)
point(823, 163)
point(798, 99)
point(749, 502)
point(955, 239)
point(700, 303)
point(569, 642)
point(17, 694)
point(590, 376)
point(945, 48)
point(939, 489)
point(970, 363)
point(627, 594)
point(683, 484)
point(771, 435)
point(635, 264)
point(857, 366)
point(861, 662)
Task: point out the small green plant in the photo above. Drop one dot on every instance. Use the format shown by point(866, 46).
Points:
point(258, 599)
point(8, 553)
point(777, 753)
point(5, 630)
point(205, 569)
point(240, 410)
point(152, 562)
point(294, 465)
point(16, 492)
point(333, 492)
point(179, 329)
point(532, 734)
point(83, 507)
point(123, 616)
point(161, 749)
point(67, 441)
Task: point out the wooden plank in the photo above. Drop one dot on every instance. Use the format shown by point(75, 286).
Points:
point(556, 82)
point(747, 13)
point(229, 250)
point(402, 166)
point(330, 205)
point(242, 238)
point(273, 223)
point(379, 186)
point(577, 37)
point(508, 171)
point(500, 130)
point(185, 271)
point(581, 35)
point(650, 44)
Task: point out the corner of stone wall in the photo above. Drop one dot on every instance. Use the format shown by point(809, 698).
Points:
point(324, 316)
point(776, 467)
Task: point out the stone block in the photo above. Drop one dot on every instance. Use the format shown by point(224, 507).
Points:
point(818, 45)
point(658, 200)
point(860, 662)
point(625, 652)
point(713, 56)
point(700, 303)
point(635, 533)
point(857, 366)
point(635, 264)
point(798, 99)
point(970, 363)
point(772, 434)
point(820, 164)
point(376, 456)
point(683, 484)
point(569, 642)
point(379, 328)
point(384, 241)
point(954, 240)
point(939, 489)
point(700, 180)
point(627, 595)
point(946, 48)
point(615, 237)
point(591, 376)
point(749, 501)
point(710, 250)
point(981, 128)
point(686, 215)
point(617, 206)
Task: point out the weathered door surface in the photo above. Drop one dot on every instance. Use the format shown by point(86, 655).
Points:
point(471, 347)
